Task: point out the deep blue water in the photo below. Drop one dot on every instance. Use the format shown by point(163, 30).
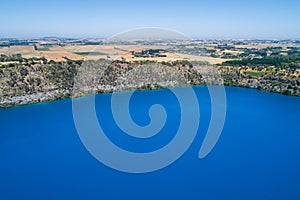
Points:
point(256, 157)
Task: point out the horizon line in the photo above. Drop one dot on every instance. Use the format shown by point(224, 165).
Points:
point(191, 38)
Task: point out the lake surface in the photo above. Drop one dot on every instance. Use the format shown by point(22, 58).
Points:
point(256, 157)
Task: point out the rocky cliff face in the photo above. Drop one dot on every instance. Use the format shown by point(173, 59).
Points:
point(45, 82)
point(39, 82)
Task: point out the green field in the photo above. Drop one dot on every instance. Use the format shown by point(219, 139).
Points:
point(44, 48)
point(90, 53)
point(255, 73)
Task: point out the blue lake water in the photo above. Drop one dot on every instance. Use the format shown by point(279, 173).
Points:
point(256, 157)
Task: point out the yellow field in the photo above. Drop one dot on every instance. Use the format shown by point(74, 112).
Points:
point(114, 52)
point(55, 53)
point(92, 52)
point(26, 51)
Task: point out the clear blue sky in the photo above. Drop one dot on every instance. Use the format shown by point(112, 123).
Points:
point(98, 18)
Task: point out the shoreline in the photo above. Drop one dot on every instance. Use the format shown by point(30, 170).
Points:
point(67, 96)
